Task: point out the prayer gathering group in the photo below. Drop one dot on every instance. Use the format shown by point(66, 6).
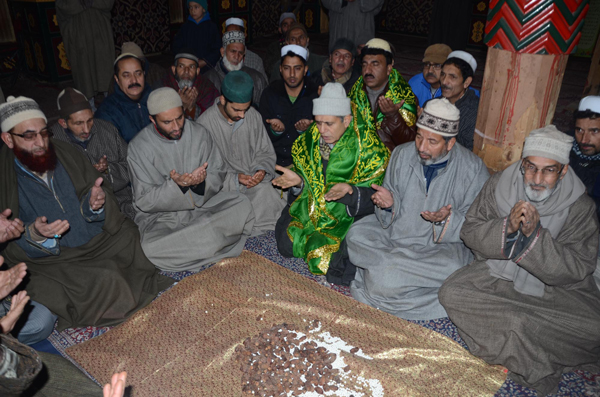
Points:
point(367, 176)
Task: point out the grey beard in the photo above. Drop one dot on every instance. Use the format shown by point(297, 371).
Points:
point(230, 66)
point(538, 197)
point(432, 160)
point(185, 83)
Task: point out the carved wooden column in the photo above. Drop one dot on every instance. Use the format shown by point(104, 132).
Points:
point(529, 44)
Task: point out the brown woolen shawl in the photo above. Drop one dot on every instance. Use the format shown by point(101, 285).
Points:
point(100, 283)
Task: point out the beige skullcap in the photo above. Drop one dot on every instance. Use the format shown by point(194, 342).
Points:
point(440, 117)
point(163, 99)
point(379, 44)
point(17, 110)
point(126, 54)
point(129, 47)
point(550, 143)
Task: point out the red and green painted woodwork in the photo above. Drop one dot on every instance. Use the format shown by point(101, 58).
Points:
point(535, 26)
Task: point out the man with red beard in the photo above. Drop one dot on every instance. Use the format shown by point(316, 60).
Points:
point(84, 256)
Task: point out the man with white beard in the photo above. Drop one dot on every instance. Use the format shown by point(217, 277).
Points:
point(529, 301)
point(232, 58)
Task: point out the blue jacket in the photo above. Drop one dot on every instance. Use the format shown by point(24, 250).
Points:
point(203, 38)
point(128, 116)
point(422, 89)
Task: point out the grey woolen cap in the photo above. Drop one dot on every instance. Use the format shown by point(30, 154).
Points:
point(332, 101)
point(163, 99)
point(550, 143)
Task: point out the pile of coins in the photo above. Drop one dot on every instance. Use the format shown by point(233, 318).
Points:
point(279, 362)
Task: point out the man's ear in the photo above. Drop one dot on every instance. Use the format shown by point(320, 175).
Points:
point(173, 69)
point(390, 67)
point(222, 100)
point(450, 143)
point(152, 120)
point(305, 69)
point(468, 82)
point(564, 171)
point(63, 123)
point(222, 52)
point(7, 138)
point(347, 120)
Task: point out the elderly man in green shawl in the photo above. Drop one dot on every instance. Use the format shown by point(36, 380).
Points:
point(336, 161)
point(383, 97)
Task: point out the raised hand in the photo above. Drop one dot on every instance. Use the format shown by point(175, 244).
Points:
point(437, 216)
point(116, 387)
point(287, 179)
point(199, 174)
point(19, 301)
point(388, 107)
point(9, 279)
point(382, 198)
point(49, 230)
point(102, 164)
point(338, 191)
point(276, 125)
point(184, 180)
point(188, 97)
point(9, 229)
point(97, 196)
point(303, 124)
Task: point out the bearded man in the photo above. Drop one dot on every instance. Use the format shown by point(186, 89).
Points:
point(529, 301)
point(406, 250)
point(232, 59)
point(177, 173)
point(196, 91)
point(84, 256)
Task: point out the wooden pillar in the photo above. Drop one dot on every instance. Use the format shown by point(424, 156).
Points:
point(529, 45)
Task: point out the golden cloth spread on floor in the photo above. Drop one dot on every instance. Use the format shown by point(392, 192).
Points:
point(184, 342)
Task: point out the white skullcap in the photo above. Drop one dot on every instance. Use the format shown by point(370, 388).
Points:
point(234, 21)
point(465, 56)
point(296, 49)
point(163, 99)
point(440, 117)
point(126, 54)
point(591, 102)
point(379, 44)
point(550, 143)
point(333, 101)
point(17, 110)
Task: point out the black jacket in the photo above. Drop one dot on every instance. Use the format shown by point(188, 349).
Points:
point(275, 104)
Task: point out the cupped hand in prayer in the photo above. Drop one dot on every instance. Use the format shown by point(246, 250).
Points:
point(116, 387)
point(438, 216)
point(276, 125)
point(102, 164)
point(287, 179)
point(9, 229)
point(387, 106)
point(200, 174)
point(49, 230)
point(19, 301)
point(190, 179)
point(338, 191)
point(97, 196)
point(382, 198)
point(9, 279)
point(303, 124)
point(523, 215)
point(188, 97)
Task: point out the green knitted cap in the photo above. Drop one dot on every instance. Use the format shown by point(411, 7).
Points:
point(237, 87)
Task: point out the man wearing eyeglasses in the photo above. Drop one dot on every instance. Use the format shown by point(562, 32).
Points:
point(529, 301)
point(339, 67)
point(426, 85)
point(84, 257)
point(196, 91)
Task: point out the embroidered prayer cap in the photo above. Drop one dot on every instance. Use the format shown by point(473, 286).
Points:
point(296, 49)
point(187, 53)
point(591, 103)
point(287, 15)
point(343, 44)
point(237, 87)
point(233, 36)
point(379, 44)
point(550, 143)
point(163, 99)
point(465, 56)
point(235, 21)
point(17, 110)
point(126, 54)
point(129, 47)
point(440, 117)
point(437, 53)
point(203, 3)
point(71, 101)
point(333, 101)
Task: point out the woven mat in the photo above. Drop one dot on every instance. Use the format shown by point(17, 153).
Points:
point(183, 343)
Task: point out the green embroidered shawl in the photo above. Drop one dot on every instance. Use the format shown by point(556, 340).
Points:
point(358, 158)
point(398, 90)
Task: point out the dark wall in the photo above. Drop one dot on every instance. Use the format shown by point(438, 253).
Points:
point(145, 22)
point(406, 16)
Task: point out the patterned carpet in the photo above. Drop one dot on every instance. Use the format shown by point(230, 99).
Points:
point(578, 383)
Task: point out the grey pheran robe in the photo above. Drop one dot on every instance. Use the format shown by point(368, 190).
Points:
point(183, 231)
point(246, 148)
point(354, 21)
point(534, 337)
point(400, 264)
